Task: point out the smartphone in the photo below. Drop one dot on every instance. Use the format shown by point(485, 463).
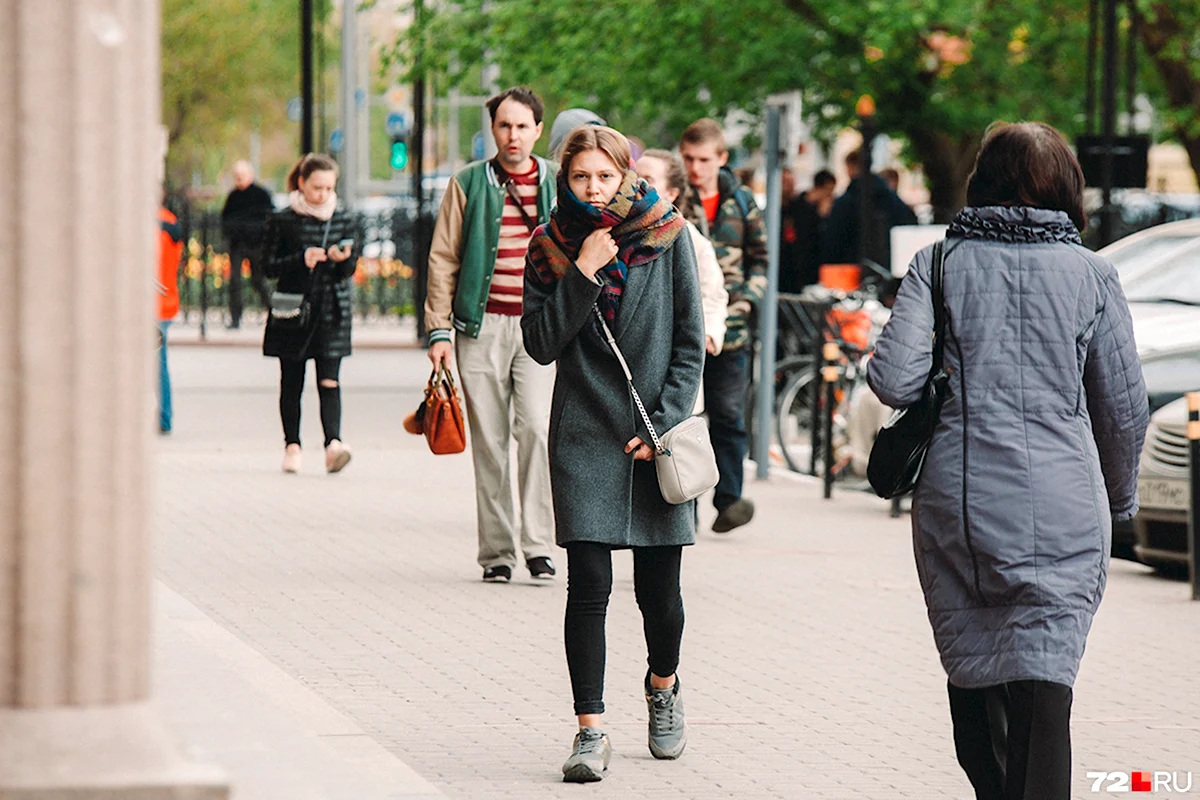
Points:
point(345, 244)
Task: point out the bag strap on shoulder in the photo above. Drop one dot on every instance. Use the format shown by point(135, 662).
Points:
point(939, 306)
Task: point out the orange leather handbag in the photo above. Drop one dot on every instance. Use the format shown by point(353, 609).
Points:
point(440, 415)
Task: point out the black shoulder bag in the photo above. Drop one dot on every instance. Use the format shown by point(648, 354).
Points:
point(294, 311)
point(899, 451)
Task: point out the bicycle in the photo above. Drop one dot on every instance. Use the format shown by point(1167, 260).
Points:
point(851, 325)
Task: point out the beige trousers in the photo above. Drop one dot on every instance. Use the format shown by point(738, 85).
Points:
point(508, 397)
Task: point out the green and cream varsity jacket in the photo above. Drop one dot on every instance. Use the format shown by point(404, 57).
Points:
point(462, 255)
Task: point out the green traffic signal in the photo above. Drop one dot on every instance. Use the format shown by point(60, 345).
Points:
point(399, 154)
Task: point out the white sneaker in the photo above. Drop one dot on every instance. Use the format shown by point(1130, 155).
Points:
point(292, 459)
point(337, 456)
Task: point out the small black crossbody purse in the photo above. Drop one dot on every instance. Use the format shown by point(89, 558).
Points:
point(294, 311)
point(900, 449)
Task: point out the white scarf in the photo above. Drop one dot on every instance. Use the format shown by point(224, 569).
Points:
point(322, 212)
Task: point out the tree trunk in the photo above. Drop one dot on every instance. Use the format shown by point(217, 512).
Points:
point(948, 162)
point(1159, 29)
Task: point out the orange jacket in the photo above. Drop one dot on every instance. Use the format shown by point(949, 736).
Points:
point(170, 248)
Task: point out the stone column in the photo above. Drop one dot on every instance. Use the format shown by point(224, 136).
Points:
point(79, 106)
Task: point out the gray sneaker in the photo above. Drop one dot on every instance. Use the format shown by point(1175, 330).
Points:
point(589, 756)
point(668, 728)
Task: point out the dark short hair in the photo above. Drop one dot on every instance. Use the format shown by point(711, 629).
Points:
point(523, 95)
point(854, 158)
point(824, 178)
point(1027, 164)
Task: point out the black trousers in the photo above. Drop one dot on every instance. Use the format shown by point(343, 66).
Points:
point(1014, 740)
point(589, 584)
point(239, 251)
point(726, 378)
point(291, 387)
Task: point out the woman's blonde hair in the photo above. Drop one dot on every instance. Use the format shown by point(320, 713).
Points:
point(596, 137)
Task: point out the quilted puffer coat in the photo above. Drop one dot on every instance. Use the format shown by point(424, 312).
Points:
point(1038, 441)
point(288, 235)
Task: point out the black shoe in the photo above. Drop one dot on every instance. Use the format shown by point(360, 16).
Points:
point(734, 516)
point(497, 574)
point(541, 568)
point(233, 326)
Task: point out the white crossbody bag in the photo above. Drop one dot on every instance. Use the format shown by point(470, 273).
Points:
point(683, 456)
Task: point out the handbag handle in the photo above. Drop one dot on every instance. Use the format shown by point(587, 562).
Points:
point(612, 342)
point(939, 306)
point(443, 371)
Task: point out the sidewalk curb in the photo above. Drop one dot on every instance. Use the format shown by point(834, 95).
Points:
point(276, 738)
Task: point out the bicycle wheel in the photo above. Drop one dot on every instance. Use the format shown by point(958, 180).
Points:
point(794, 419)
point(785, 370)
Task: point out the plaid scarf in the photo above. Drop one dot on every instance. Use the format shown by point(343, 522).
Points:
point(643, 225)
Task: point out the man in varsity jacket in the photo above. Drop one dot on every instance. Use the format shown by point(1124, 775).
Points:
point(476, 278)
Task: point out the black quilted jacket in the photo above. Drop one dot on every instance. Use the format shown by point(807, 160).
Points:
point(288, 235)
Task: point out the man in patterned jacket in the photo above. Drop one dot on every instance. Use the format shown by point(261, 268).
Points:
point(476, 281)
point(726, 211)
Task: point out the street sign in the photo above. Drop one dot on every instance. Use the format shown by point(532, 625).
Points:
point(337, 141)
point(397, 124)
point(477, 146)
point(295, 110)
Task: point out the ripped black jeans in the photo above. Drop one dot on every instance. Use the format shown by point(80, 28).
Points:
point(291, 387)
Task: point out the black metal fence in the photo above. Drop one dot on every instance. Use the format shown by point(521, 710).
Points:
point(384, 281)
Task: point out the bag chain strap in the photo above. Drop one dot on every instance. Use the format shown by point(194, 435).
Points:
point(658, 446)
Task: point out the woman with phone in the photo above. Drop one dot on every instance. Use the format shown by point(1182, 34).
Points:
point(311, 250)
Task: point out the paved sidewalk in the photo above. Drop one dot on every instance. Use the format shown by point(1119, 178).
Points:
point(808, 664)
point(376, 333)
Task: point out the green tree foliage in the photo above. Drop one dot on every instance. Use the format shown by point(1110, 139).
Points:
point(229, 66)
point(1170, 31)
point(939, 71)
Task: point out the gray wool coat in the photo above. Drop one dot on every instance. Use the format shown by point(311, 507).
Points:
point(1037, 444)
point(600, 493)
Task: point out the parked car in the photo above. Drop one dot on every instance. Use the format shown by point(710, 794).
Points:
point(1160, 274)
point(1161, 526)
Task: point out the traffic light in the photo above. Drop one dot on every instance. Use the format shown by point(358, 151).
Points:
point(399, 156)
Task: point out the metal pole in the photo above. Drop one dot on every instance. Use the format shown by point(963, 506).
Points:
point(206, 223)
point(420, 260)
point(1109, 114)
point(769, 316)
point(814, 421)
point(488, 78)
point(866, 191)
point(322, 135)
point(306, 76)
point(831, 355)
point(1131, 37)
point(1093, 25)
point(349, 156)
point(454, 131)
point(1193, 434)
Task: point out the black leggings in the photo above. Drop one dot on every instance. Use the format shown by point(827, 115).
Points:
point(589, 583)
point(291, 386)
point(1014, 740)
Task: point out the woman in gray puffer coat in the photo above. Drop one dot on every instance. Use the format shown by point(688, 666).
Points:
point(1035, 452)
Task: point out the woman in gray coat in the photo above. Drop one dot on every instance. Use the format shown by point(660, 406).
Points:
point(1035, 452)
point(614, 249)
